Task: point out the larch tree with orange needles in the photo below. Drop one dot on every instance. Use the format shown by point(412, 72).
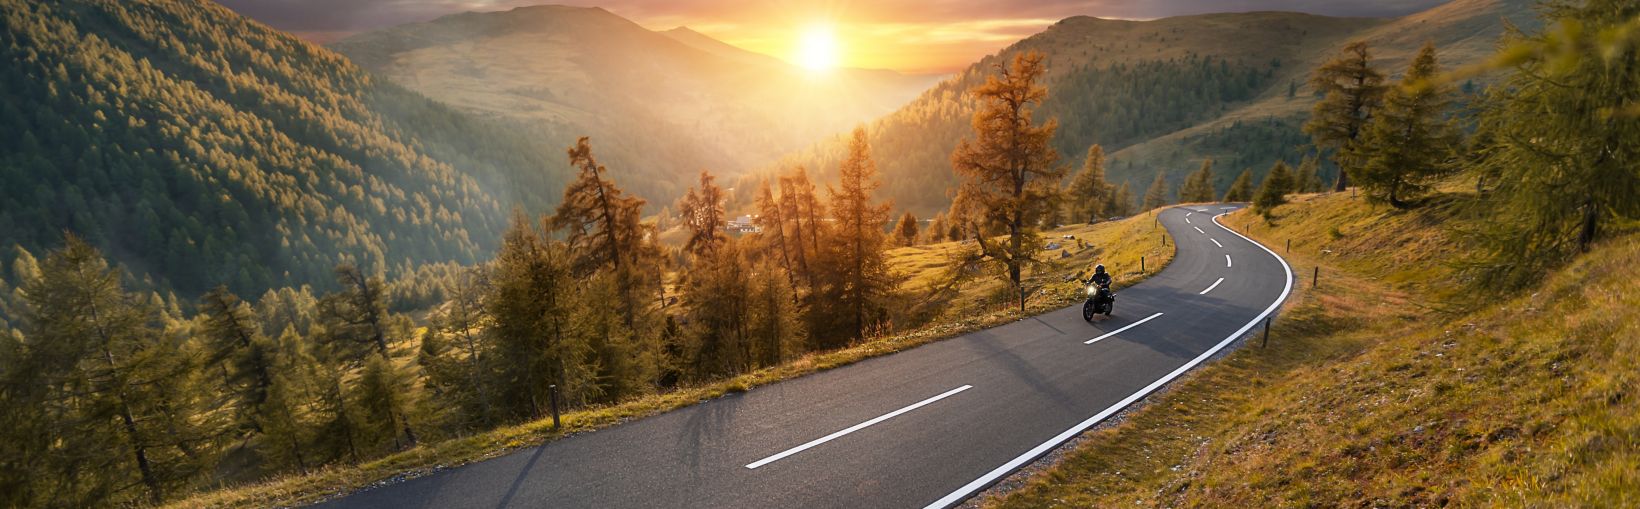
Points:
point(1010, 172)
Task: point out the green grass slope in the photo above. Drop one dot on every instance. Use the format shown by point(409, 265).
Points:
point(1383, 388)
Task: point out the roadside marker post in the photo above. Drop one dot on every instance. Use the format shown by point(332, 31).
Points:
point(1266, 333)
point(1141, 265)
point(1316, 279)
point(555, 422)
point(1289, 245)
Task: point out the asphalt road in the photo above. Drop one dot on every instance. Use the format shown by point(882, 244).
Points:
point(927, 427)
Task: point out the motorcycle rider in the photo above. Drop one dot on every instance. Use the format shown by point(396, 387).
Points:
point(1099, 276)
point(1100, 300)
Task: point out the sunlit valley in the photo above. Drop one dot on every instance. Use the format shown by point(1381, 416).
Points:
point(392, 253)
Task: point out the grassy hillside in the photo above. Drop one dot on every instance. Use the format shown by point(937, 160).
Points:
point(200, 148)
point(974, 303)
point(1162, 95)
point(1464, 31)
point(1381, 387)
point(668, 103)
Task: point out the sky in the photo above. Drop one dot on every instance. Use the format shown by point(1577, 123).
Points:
point(914, 36)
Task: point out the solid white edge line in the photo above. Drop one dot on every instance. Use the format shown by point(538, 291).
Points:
point(854, 428)
point(1214, 285)
point(1215, 242)
point(1227, 262)
point(1199, 229)
point(985, 480)
point(1119, 331)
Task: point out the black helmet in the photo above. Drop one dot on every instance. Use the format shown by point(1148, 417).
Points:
point(1099, 269)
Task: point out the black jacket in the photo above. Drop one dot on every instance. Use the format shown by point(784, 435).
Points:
point(1100, 279)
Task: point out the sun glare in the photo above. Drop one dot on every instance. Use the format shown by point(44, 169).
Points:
point(817, 48)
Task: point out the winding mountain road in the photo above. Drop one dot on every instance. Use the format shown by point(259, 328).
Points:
point(927, 427)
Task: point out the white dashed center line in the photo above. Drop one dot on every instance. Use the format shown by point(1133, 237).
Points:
point(856, 427)
point(1212, 286)
point(1119, 331)
point(1227, 261)
point(1216, 242)
point(1199, 229)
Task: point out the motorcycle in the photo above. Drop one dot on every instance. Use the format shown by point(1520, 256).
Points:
point(1100, 301)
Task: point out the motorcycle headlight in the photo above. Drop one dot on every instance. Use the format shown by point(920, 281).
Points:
point(1092, 290)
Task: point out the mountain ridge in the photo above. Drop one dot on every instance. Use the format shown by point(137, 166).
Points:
point(914, 142)
point(674, 102)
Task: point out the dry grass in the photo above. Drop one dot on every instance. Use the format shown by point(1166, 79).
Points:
point(1119, 245)
point(1367, 398)
point(1116, 249)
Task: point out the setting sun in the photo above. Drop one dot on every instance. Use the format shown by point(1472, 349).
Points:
point(817, 48)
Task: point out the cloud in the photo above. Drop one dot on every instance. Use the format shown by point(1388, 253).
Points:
point(344, 15)
point(943, 34)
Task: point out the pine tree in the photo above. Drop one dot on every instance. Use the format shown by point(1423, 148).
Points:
point(530, 301)
point(1156, 196)
point(605, 229)
point(1409, 141)
point(702, 211)
point(802, 210)
point(1121, 202)
point(1307, 179)
point(253, 367)
point(718, 300)
point(906, 230)
point(1198, 187)
point(859, 278)
point(936, 229)
point(1352, 92)
point(383, 395)
point(1089, 193)
point(1242, 189)
point(771, 218)
point(1273, 192)
point(1009, 170)
point(775, 325)
point(1566, 141)
point(113, 377)
point(620, 365)
point(287, 429)
point(356, 322)
point(462, 363)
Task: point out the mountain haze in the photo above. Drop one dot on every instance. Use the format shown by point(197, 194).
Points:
point(671, 103)
point(1161, 95)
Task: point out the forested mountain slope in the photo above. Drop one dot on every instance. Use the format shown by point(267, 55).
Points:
point(667, 104)
point(1253, 134)
point(200, 148)
point(1161, 95)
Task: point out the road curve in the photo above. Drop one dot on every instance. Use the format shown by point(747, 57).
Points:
point(927, 427)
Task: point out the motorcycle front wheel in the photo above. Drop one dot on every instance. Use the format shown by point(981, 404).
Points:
point(1087, 310)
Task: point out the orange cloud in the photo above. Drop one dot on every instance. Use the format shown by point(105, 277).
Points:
point(905, 35)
